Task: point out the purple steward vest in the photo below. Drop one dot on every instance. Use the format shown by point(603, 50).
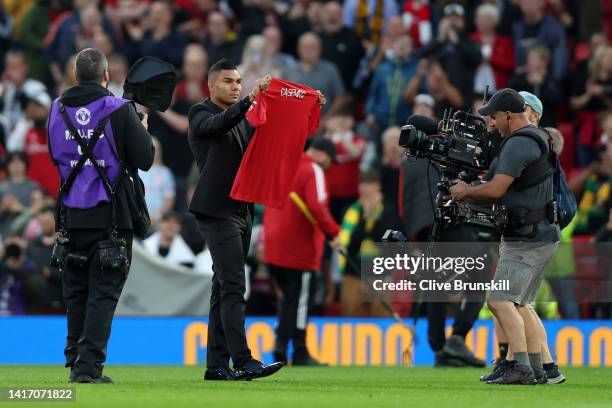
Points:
point(88, 189)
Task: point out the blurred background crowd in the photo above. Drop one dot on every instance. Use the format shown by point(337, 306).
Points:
point(376, 61)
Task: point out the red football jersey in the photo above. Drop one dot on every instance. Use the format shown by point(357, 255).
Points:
point(284, 116)
point(41, 168)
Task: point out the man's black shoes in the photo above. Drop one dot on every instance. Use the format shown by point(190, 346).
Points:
point(219, 374)
point(256, 369)
point(455, 347)
point(300, 358)
point(88, 379)
point(444, 360)
point(518, 374)
point(306, 361)
point(553, 374)
point(251, 370)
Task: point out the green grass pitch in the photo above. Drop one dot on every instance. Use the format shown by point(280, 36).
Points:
point(344, 387)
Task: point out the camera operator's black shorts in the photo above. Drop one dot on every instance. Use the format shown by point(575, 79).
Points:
point(522, 264)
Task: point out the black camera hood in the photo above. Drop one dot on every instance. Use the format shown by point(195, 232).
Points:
point(150, 82)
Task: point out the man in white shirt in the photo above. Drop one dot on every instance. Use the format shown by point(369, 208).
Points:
point(168, 243)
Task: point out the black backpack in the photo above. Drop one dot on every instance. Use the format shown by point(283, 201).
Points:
point(548, 165)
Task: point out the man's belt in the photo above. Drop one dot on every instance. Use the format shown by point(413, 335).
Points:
point(518, 217)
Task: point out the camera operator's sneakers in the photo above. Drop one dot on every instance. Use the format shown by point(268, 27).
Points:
point(540, 375)
point(455, 347)
point(499, 369)
point(553, 374)
point(519, 374)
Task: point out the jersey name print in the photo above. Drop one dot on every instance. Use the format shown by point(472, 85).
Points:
point(284, 115)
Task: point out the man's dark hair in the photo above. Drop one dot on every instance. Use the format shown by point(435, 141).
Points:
point(15, 52)
point(221, 65)
point(348, 109)
point(90, 65)
point(19, 155)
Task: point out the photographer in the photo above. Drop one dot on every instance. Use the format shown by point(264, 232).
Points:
point(94, 261)
point(531, 236)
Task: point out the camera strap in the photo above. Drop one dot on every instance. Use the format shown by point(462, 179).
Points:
point(535, 173)
point(87, 154)
point(539, 170)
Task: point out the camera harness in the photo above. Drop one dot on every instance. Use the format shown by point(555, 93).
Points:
point(113, 252)
point(87, 154)
point(532, 175)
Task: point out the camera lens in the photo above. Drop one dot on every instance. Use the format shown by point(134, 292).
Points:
point(417, 139)
point(412, 138)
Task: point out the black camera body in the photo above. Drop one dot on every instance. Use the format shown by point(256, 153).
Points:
point(77, 260)
point(459, 147)
point(461, 144)
point(59, 254)
point(113, 255)
point(62, 257)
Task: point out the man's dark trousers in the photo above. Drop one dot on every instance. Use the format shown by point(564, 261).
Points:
point(91, 297)
point(297, 287)
point(228, 240)
point(471, 303)
point(436, 321)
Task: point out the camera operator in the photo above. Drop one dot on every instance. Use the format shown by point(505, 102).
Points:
point(93, 258)
point(534, 110)
point(531, 236)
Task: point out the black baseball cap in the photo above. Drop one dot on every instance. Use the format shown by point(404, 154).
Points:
point(504, 100)
point(325, 145)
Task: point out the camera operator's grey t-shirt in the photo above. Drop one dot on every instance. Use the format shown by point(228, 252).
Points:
point(518, 153)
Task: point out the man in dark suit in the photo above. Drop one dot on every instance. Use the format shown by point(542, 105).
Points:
point(218, 137)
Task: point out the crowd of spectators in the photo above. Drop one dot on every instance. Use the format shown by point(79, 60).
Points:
point(376, 61)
